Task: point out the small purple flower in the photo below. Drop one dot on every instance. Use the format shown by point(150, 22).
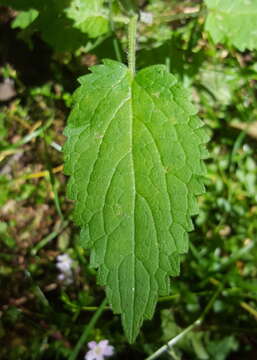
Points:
point(98, 351)
point(64, 265)
point(146, 17)
point(65, 278)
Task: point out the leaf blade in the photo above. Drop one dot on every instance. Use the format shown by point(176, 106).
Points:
point(134, 158)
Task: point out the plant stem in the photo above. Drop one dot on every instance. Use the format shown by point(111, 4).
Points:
point(249, 308)
point(93, 308)
point(196, 323)
point(132, 33)
point(87, 330)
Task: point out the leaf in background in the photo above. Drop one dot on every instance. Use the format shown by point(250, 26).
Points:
point(221, 82)
point(24, 19)
point(89, 16)
point(52, 22)
point(234, 22)
point(134, 153)
point(58, 31)
point(220, 349)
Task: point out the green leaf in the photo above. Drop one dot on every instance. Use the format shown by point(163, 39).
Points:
point(64, 24)
point(52, 22)
point(24, 19)
point(133, 154)
point(89, 16)
point(233, 22)
point(220, 82)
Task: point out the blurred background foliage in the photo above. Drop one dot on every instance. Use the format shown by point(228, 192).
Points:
point(44, 47)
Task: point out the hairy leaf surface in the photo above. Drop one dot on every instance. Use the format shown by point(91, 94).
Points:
point(134, 154)
point(234, 22)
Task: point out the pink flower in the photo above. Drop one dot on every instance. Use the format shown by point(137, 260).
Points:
point(98, 351)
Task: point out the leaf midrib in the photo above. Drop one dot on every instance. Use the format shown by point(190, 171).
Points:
point(134, 198)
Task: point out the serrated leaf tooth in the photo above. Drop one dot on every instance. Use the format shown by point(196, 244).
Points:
point(163, 281)
point(178, 232)
point(195, 122)
point(190, 225)
point(175, 263)
point(196, 185)
point(193, 205)
point(203, 171)
point(202, 134)
point(204, 152)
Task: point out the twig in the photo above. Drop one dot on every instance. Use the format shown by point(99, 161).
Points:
point(196, 323)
